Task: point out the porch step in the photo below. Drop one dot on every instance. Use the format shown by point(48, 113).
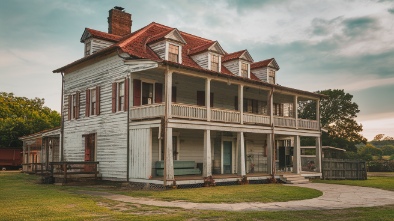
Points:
point(294, 179)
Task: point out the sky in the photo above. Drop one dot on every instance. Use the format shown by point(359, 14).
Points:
point(332, 44)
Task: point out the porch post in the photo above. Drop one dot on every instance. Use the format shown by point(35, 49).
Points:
point(297, 155)
point(318, 155)
point(295, 112)
point(269, 153)
point(168, 151)
point(241, 154)
point(270, 103)
point(208, 98)
point(241, 102)
point(207, 165)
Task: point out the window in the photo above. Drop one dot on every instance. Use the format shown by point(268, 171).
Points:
point(244, 69)
point(92, 101)
point(120, 95)
point(278, 109)
point(215, 63)
point(271, 76)
point(87, 48)
point(252, 106)
point(173, 53)
point(147, 93)
point(73, 106)
point(201, 98)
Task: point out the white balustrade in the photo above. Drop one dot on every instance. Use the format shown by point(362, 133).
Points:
point(256, 118)
point(189, 111)
point(225, 115)
point(284, 122)
point(147, 111)
point(308, 124)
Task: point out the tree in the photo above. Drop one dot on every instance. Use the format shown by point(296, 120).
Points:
point(387, 150)
point(20, 116)
point(370, 149)
point(378, 137)
point(338, 113)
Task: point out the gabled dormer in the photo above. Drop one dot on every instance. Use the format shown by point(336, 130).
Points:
point(96, 40)
point(168, 45)
point(266, 70)
point(238, 63)
point(208, 56)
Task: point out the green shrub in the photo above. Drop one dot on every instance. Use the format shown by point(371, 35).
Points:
point(381, 166)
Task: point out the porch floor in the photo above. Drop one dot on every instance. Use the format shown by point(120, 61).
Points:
point(214, 176)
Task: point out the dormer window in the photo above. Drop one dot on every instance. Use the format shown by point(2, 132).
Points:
point(215, 63)
point(244, 69)
point(87, 48)
point(173, 53)
point(271, 76)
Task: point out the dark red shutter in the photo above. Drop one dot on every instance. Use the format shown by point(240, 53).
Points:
point(126, 94)
point(87, 109)
point(97, 100)
point(158, 93)
point(211, 99)
point(114, 97)
point(136, 92)
point(173, 94)
point(78, 105)
point(69, 107)
point(236, 103)
point(201, 98)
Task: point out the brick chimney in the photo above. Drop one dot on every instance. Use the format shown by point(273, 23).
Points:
point(119, 21)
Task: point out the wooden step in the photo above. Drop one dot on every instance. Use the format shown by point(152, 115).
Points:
point(294, 179)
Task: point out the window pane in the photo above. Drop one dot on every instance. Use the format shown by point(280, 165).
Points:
point(215, 63)
point(121, 92)
point(173, 53)
point(147, 93)
point(244, 70)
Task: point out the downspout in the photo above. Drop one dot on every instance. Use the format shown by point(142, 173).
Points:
point(62, 120)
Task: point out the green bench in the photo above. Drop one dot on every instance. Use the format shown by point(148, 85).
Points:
point(180, 168)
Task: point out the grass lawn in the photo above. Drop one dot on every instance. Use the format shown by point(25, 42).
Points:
point(22, 199)
point(232, 194)
point(386, 182)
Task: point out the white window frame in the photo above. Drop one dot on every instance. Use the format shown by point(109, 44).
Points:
point(240, 68)
point(73, 99)
point(149, 81)
point(120, 108)
point(91, 101)
point(210, 63)
point(168, 51)
point(90, 48)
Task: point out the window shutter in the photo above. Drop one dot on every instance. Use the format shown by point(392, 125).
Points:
point(211, 100)
point(69, 107)
point(126, 94)
point(236, 103)
point(158, 93)
point(78, 105)
point(87, 107)
point(173, 98)
point(114, 97)
point(97, 100)
point(201, 98)
point(255, 106)
point(136, 92)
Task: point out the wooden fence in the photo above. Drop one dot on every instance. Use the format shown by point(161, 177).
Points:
point(74, 170)
point(336, 169)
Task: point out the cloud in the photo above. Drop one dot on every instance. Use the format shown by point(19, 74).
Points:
point(355, 27)
point(391, 10)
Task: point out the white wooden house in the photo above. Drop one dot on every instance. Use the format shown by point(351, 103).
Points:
point(158, 104)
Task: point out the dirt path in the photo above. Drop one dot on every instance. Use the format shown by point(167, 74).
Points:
point(334, 197)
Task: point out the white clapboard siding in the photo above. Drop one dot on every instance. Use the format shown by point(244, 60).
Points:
point(261, 73)
point(155, 148)
point(98, 44)
point(141, 153)
point(191, 145)
point(201, 59)
point(110, 128)
point(159, 48)
point(232, 66)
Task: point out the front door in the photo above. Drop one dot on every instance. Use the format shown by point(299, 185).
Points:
point(90, 147)
point(227, 157)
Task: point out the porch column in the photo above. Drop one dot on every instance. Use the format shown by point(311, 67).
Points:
point(295, 112)
point(207, 164)
point(208, 98)
point(241, 102)
point(168, 157)
point(168, 93)
point(297, 155)
point(318, 155)
point(270, 103)
point(168, 151)
point(241, 154)
point(269, 153)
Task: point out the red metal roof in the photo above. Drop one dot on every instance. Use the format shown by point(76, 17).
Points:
point(232, 56)
point(261, 64)
point(103, 35)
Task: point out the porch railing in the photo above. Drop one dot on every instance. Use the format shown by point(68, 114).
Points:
point(189, 111)
point(74, 169)
point(308, 124)
point(257, 119)
point(147, 111)
point(284, 121)
point(225, 116)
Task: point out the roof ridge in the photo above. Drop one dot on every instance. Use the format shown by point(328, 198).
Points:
point(131, 36)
